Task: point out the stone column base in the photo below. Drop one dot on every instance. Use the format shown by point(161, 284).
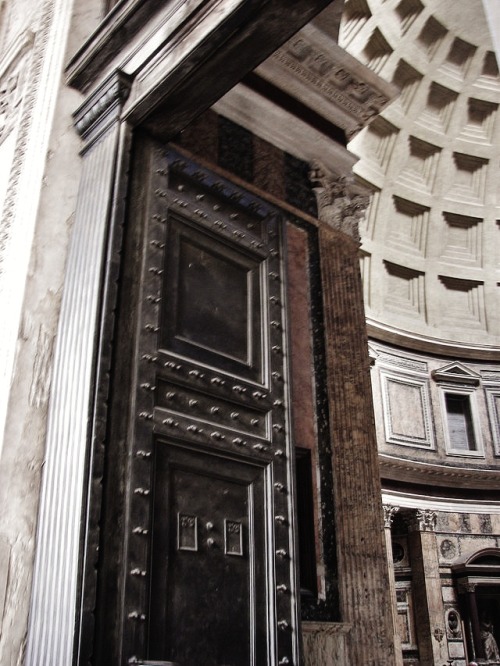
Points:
point(324, 643)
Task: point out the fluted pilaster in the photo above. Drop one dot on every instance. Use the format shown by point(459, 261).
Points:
point(54, 596)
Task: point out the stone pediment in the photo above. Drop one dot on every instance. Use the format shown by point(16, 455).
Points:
point(456, 373)
point(313, 68)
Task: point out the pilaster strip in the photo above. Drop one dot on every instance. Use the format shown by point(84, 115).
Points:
point(54, 597)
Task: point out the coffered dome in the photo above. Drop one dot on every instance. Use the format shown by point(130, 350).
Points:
point(431, 238)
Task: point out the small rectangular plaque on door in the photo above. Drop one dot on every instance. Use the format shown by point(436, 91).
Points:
point(187, 532)
point(233, 537)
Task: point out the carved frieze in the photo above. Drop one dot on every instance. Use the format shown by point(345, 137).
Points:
point(341, 201)
point(425, 520)
point(10, 97)
point(321, 66)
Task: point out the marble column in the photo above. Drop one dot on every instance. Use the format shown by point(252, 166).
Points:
point(389, 513)
point(364, 591)
point(54, 596)
point(427, 591)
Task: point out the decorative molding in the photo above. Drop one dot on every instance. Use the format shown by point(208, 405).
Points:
point(402, 362)
point(13, 77)
point(341, 201)
point(456, 374)
point(433, 474)
point(389, 512)
point(103, 106)
point(404, 426)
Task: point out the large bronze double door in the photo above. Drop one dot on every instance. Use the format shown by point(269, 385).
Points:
point(210, 550)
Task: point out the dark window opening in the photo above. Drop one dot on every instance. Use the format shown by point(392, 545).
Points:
point(305, 524)
point(460, 425)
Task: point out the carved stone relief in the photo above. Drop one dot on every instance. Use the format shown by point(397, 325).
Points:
point(335, 81)
point(341, 202)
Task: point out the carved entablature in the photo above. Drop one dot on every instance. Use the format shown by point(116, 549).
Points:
point(389, 512)
point(348, 93)
point(341, 201)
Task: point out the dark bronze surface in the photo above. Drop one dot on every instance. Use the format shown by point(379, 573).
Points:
point(198, 536)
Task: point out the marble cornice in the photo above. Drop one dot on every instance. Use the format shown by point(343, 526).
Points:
point(433, 474)
point(321, 74)
point(385, 333)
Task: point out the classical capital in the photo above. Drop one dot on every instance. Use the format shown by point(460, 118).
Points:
point(424, 520)
point(103, 106)
point(389, 512)
point(341, 201)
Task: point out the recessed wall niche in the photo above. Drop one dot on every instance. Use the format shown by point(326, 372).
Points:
point(407, 410)
point(407, 11)
point(458, 59)
point(480, 121)
point(407, 79)
point(376, 51)
point(431, 36)
point(419, 171)
point(462, 239)
point(409, 227)
point(437, 112)
point(469, 178)
point(404, 290)
point(464, 300)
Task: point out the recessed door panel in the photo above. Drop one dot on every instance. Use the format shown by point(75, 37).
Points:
point(208, 560)
point(211, 309)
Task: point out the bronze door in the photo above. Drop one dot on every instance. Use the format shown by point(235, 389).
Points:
point(210, 557)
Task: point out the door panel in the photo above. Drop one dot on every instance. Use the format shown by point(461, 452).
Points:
point(210, 553)
point(212, 301)
point(211, 568)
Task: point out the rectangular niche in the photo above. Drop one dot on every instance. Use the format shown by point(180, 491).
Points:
point(458, 59)
point(480, 121)
point(464, 303)
point(489, 77)
point(431, 36)
point(404, 290)
point(381, 137)
point(462, 239)
point(407, 79)
point(376, 51)
point(469, 179)
point(420, 168)
point(407, 11)
point(409, 226)
point(407, 411)
point(437, 112)
point(355, 16)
